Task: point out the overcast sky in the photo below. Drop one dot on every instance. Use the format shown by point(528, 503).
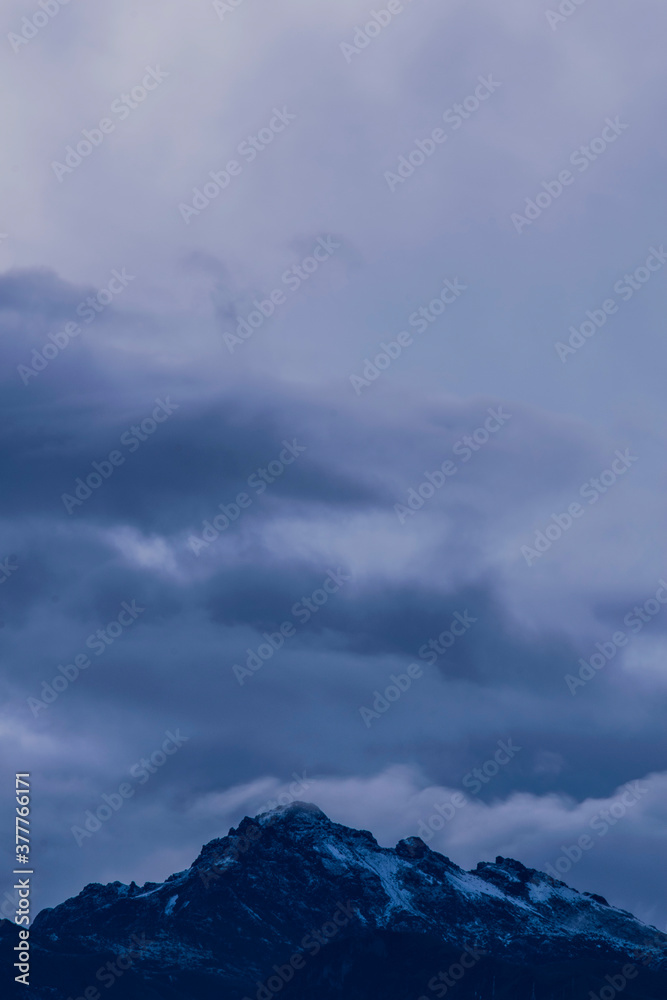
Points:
point(464, 183)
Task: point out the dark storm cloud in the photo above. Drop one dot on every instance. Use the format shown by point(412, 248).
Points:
point(333, 509)
point(202, 454)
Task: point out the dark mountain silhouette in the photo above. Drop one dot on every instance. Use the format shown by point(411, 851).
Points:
point(291, 904)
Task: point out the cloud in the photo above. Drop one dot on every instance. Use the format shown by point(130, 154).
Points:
point(335, 509)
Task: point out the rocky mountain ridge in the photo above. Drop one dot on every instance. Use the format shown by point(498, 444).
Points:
point(291, 903)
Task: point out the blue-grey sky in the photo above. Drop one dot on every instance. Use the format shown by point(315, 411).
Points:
point(355, 315)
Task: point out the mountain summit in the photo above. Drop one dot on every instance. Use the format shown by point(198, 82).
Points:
point(294, 904)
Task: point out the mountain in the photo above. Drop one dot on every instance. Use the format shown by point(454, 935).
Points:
point(292, 904)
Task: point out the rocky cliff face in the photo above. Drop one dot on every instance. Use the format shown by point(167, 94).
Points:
point(295, 905)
